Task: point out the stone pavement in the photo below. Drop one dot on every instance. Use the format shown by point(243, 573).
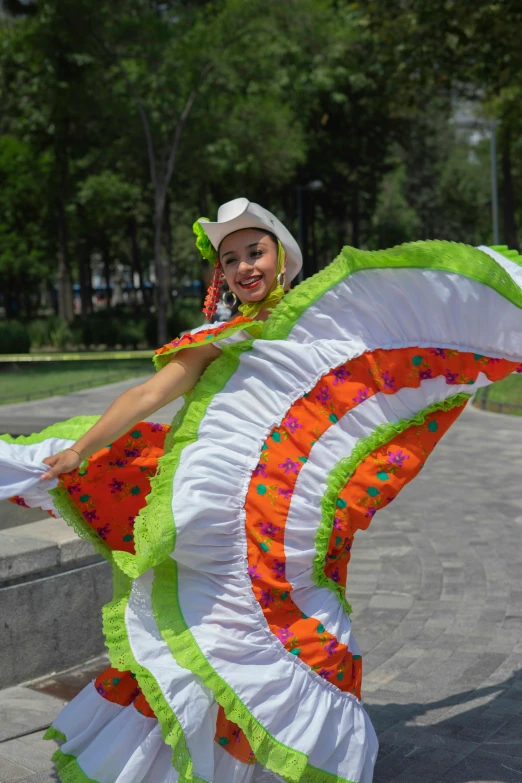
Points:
point(436, 587)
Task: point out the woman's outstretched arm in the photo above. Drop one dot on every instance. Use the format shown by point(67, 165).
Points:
point(134, 405)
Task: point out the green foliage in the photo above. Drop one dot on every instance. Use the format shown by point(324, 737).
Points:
point(52, 332)
point(14, 337)
point(148, 115)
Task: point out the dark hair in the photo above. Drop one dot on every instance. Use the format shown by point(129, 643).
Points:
point(255, 228)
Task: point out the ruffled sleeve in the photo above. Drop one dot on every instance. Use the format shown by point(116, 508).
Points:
point(208, 334)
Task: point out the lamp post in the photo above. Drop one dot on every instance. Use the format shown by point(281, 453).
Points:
point(312, 186)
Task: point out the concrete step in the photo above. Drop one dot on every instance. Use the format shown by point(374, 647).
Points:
point(52, 588)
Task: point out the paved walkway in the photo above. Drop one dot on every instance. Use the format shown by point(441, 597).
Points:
point(436, 586)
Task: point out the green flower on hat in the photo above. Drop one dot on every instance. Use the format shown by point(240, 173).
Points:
point(203, 243)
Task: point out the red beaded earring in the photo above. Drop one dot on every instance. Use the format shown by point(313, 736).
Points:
point(214, 291)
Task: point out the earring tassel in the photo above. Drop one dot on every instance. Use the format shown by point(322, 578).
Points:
point(214, 291)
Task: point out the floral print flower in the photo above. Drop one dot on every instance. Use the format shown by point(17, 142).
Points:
point(291, 423)
point(268, 529)
point(119, 463)
point(285, 493)
point(260, 470)
point(115, 486)
point(103, 532)
point(74, 488)
point(289, 466)
point(157, 428)
point(451, 377)
point(284, 634)
point(331, 647)
point(438, 352)
point(90, 516)
point(325, 673)
point(101, 690)
point(370, 512)
point(131, 452)
point(323, 395)
point(337, 523)
point(253, 572)
point(397, 458)
point(361, 395)
point(335, 575)
point(236, 733)
point(388, 381)
point(340, 374)
point(279, 569)
point(266, 598)
point(426, 373)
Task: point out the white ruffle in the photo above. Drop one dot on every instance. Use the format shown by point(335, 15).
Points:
point(373, 309)
point(192, 703)
point(114, 744)
point(21, 467)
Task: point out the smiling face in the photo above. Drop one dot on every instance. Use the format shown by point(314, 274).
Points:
point(249, 261)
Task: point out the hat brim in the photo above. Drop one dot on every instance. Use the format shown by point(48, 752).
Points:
point(216, 232)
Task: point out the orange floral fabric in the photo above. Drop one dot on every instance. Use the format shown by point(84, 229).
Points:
point(201, 337)
point(233, 739)
point(111, 489)
point(286, 450)
point(377, 481)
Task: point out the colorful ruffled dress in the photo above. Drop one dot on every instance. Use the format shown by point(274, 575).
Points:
point(231, 647)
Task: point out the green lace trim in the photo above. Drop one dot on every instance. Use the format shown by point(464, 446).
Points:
point(122, 658)
point(71, 429)
point(433, 254)
point(342, 472)
point(70, 512)
point(154, 527)
point(68, 769)
point(254, 328)
point(54, 734)
point(291, 764)
point(512, 255)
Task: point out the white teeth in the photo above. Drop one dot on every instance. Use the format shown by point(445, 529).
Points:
point(249, 280)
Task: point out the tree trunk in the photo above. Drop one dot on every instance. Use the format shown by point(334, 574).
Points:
point(136, 256)
point(168, 244)
point(510, 228)
point(106, 256)
point(63, 276)
point(84, 268)
point(161, 269)
point(356, 219)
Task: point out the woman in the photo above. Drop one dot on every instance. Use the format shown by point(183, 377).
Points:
point(229, 635)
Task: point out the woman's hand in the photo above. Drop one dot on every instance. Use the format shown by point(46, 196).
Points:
point(63, 462)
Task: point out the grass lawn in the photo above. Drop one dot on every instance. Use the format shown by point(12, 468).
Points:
point(505, 392)
point(20, 382)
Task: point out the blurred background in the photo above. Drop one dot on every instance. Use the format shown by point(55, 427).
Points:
point(364, 123)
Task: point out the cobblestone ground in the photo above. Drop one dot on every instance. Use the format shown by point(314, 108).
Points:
point(436, 587)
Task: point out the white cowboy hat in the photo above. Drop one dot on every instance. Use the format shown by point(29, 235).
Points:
point(242, 213)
